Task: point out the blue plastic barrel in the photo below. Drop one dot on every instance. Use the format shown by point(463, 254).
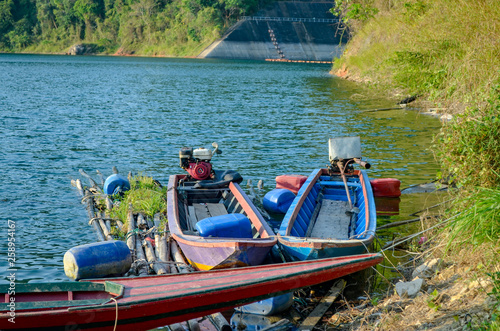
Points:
point(269, 306)
point(96, 260)
point(225, 226)
point(251, 322)
point(278, 200)
point(115, 184)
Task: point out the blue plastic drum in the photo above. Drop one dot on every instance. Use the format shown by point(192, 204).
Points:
point(115, 184)
point(96, 260)
point(225, 226)
point(269, 306)
point(278, 200)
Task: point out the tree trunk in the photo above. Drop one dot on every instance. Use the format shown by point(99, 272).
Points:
point(177, 256)
point(131, 227)
point(142, 265)
point(158, 268)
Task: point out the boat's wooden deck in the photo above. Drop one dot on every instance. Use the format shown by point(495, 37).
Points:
point(199, 211)
point(332, 221)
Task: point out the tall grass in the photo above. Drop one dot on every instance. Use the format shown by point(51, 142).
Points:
point(447, 51)
point(477, 220)
point(469, 145)
point(145, 196)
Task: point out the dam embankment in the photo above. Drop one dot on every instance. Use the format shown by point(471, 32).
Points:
point(296, 31)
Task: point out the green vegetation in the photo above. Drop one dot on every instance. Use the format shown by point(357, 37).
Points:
point(476, 220)
point(146, 197)
point(469, 145)
point(448, 54)
point(444, 51)
point(146, 27)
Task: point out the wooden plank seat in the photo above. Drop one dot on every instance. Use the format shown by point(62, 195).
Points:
point(198, 211)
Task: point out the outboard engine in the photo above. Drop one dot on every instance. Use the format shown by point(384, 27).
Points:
point(196, 162)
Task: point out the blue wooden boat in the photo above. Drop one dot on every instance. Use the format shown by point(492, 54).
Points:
point(334, 211)
point(320, 224)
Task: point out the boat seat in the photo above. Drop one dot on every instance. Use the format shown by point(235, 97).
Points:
point(198, 211)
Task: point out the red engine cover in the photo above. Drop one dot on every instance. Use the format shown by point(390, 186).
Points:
point(386, 187)
point(200, 170)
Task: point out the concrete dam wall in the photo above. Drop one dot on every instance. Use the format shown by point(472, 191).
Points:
point(297, 31)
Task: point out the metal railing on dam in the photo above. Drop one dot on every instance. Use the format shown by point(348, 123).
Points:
point(289, 19)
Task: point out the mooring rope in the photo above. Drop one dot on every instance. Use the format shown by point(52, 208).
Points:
point(116, 316)
point(101, 218)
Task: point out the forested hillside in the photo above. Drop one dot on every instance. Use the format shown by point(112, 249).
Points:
point(148, 27)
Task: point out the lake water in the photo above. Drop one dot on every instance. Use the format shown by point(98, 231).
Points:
point(59, 114)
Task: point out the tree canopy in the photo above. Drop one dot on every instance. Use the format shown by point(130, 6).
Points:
point(149, 27)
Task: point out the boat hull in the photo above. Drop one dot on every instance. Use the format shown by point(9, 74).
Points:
point(299, 246)
point(149, 302)
point(214, 252)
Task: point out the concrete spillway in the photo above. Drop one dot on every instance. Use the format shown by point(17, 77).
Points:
point(294, 31)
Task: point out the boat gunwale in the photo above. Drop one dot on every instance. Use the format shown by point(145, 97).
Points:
point(302, 271)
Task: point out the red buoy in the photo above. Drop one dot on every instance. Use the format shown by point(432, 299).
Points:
point(290, 182)
point(386, 187)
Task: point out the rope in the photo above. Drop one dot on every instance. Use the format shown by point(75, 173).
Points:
point(427, 209)
point(92, 195)
point(139, 232)
point(101, 218)
point(116, 316)
point(131, 233)
point(342, 169)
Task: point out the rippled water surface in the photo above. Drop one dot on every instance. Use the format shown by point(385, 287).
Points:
point(60, 114)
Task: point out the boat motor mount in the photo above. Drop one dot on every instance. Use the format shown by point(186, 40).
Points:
point(344, 152)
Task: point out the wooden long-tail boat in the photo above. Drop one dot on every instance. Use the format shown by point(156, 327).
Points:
point(189, 203)
point(332, 215)
point(147, 302)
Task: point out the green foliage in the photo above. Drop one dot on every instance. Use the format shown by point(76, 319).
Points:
point(432, 300)
point(6, 19)
point(146, 197)
point(476, 220)
point(374, 301)
point(469, 145)
point(348, 10)
point(426, 47)
point(415, 9)
point(495, 292)
point(493, 323)
point(417, 72)
point(149, 27)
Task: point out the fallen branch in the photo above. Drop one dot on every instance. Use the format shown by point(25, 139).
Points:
point(399, 223)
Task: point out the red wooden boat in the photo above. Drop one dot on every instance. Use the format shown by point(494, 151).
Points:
point(148, 302)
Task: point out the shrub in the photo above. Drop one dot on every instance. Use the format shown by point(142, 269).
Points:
point(476, 220)
point(146, 197)
point(469, 146)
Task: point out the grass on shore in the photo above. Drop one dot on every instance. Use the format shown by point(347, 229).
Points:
point(428, 48)
point(447, 53)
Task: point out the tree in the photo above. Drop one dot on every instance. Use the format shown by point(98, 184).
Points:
point(88, 12)
point(6, 19)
